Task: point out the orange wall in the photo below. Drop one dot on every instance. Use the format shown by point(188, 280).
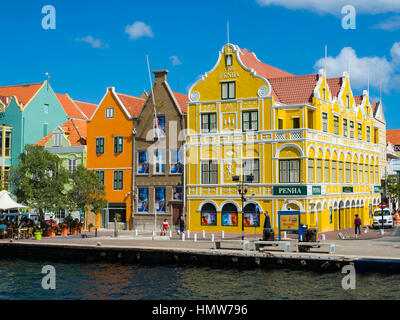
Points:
point(120, 125)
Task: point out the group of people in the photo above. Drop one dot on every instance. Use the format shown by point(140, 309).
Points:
point(165, 226)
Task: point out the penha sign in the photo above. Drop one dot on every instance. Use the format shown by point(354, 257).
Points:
point(289, 190)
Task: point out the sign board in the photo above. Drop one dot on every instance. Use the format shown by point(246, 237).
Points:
point(347, 189)
point(289, 190)
point(289, 221)
point(396, 148)
point(316, 190)
point(377, 189)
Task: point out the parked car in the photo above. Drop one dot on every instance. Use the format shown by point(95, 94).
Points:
point(387, 219)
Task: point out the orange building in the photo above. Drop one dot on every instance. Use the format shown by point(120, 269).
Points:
point(110, 154)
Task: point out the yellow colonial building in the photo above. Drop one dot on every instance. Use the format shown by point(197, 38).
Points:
point(307, 141)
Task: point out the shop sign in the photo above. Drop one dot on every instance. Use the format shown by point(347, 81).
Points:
point(289, 190)
point(348, 190)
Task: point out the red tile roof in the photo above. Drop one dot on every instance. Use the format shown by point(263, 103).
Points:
point(335, 84)
point(132, 104)
point(294, 89)
point(358, 99)
point(87, 108)
point(3, 99)
point(70, 108)
point(24, 92)
point(75, 130)
point(250, 60)
point(393, 136)
point(182, 99)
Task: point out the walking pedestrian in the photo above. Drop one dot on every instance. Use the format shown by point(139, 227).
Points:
point(357, 224)
point(181, 226)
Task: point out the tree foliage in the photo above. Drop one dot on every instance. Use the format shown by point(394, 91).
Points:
point(39, 180)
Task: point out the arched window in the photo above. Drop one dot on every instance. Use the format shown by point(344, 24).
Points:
point(208, 215)
point(251, 215)
point(229, 215)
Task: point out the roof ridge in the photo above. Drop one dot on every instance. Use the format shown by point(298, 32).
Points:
point(128, 95)
point(25, 84)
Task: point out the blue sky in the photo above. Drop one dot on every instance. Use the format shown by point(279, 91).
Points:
point(91, 49)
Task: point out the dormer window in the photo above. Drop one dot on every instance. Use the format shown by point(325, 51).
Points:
point(228, 60)
point(348, 101)
point(110, 113)
point(324, 93)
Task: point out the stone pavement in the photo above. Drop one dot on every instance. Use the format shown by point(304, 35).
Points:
point(362, 248)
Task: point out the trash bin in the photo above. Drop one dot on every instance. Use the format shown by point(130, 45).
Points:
point(303, 233)
point(268, 234)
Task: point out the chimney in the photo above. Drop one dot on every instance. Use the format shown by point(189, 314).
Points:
point(161, 75)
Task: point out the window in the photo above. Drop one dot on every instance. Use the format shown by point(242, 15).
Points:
point(280, 124)
point(229, 215)
point(208, 215)
point(99, 145)
point(376, 175)
point(228, 60)
point(176, 163)
point(109, 113)
point(324, 93)
point(5, 181)
point(371, 172)
point(352, 129)
point(159, 161)
point(376, 136)
point(341, 171)
point(159, 127)
point(296, 123)
point(100, 174)
point(366, 176)
point(143, 199)
point(46, 109)
point(209, 122)
point(368, 133)
point(334, 171)
point(118, 180)
point(143, 163)
point(250, 121)
point(72, 165)
point(355, 180)
point(209, 172)
point(160, 199)
point(228, 90)
point(57, 139)
point(326, 175)
point(251, 167)
point(348, 101)
point(45, 129)
point(311, 170)
point(310, 119)
point(319, 170)
point(7, 149)
point(118, 144)
point(348, 172)
point(336, 125)
point(361, 178)
point(324, 122)
point(289, 171)
point(345, 127)
point(359, 129)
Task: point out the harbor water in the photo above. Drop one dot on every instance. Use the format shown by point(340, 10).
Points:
point(22, 279)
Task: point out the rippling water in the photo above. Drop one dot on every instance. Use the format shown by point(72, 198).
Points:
point(21, 279)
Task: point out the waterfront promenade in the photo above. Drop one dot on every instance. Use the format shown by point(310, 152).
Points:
point(371, 248)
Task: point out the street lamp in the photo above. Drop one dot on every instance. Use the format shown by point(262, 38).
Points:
point(242, 191)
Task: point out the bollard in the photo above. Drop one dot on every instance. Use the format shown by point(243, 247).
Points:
point(136, 233)
point(222, 234)
point(154, 234)
point(170, 233)
point(212, 237)
point(322, 237)
point(195, 237)
point(204, 234)
point(183, 236)
point(382, 232)
point(284, 235)
point(188, 233)
point(95, 233)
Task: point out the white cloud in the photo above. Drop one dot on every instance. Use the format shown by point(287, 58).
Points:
point(175, 60)
point(95, 43)
point(380, 68)
point(334, 7)
point(139, 29)
point(391, 24)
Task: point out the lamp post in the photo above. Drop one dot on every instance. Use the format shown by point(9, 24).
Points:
point(242, 191)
